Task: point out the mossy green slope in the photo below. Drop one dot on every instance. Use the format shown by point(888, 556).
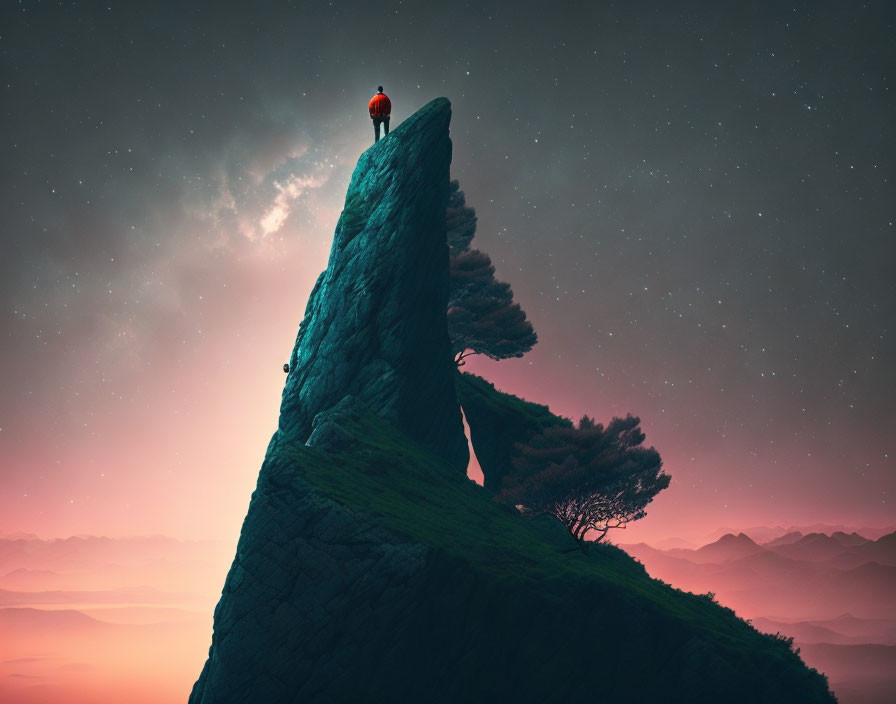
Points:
point(369, 568)
point(502, 612)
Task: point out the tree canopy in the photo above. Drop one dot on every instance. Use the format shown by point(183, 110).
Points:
point(460, 220)
point(483, 318)
point(590, 478)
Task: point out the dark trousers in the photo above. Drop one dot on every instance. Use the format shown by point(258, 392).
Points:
point(376, 126)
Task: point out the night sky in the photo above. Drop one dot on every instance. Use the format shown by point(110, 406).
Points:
point(694, 206)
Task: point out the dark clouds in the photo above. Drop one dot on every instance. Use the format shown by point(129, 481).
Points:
point(692, 203)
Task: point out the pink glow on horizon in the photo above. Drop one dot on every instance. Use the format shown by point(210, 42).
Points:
point(179, 455)
point(154, 416)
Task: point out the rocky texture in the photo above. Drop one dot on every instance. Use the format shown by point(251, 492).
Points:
point(312, 587)
point(375, 324)
point(497, 421)
point(372, 575)
point(328, 427)
point(370, 569)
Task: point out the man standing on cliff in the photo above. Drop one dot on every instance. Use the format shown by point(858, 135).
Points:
point(380, 107)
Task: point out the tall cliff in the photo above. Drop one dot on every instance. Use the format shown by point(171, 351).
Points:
point(375, 324)
point(370, 569)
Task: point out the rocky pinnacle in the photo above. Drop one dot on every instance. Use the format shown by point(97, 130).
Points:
point(375, 325)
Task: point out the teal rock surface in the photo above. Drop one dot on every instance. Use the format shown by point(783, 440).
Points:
point(375, 324)
point(370, 569)
point(367, 574)
point(313, 600)
point(497, 422)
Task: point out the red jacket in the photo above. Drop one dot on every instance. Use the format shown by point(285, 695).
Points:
point(380, 106)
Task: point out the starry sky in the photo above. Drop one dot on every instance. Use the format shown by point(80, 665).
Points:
point(693, 204)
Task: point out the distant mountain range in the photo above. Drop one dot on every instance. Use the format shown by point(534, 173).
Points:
point(76, 613)
point(123, 595)
point(859, 674)
point(843, 630)
point(728, 547)
point(91, 563)
point(83, 551)
point(24, 622)
point(65, 655)
point(834, 593)
point(765, 534)
point(795, 576)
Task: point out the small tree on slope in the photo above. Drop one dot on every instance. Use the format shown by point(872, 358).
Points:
point(482, 315)
point(590, 478)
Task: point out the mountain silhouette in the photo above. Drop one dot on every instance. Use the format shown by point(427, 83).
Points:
point(369, 568)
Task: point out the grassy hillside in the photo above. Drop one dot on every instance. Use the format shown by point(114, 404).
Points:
point(608, 621)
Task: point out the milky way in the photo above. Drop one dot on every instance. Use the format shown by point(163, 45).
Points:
point(693, 206)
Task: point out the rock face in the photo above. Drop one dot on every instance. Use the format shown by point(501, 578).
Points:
point(370, 569)
point(312, 586)
point(497, 421)
point(375, 324)
point(362, 575)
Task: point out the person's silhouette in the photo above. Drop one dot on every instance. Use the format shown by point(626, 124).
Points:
point(380, 108)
